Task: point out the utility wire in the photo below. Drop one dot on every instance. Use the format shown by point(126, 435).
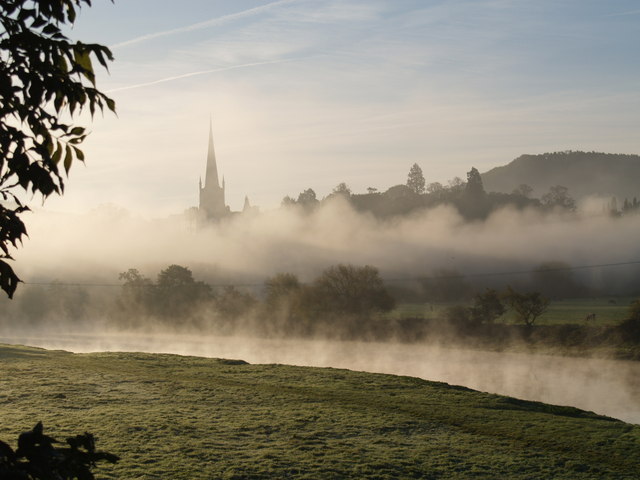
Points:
point(390, 280)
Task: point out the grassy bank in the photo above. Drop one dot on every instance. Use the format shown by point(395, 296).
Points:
point(186, 417)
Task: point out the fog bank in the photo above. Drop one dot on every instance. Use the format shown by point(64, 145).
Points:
point(248, 248)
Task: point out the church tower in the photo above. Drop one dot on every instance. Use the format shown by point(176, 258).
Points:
point(212, 204)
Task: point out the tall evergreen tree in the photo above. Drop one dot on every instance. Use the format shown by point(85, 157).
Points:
point(474, 187)
point(415, 179)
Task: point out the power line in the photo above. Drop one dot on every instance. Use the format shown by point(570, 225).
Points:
point(397, 279)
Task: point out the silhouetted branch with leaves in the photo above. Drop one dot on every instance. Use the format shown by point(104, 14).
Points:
point(38, 459)
point(45, 79)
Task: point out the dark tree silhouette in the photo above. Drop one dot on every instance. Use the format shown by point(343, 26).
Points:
point(558, 196)
point(415, 179)
point(177, 294)
point(45, 80)
point(348, 289)
point(487, 306)
point(527, 306)
point(307, 198)
point(341, 189)
point(474, 187)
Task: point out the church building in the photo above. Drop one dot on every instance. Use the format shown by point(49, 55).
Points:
point(212, 204)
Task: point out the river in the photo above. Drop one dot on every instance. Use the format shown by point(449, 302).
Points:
point(607, 387)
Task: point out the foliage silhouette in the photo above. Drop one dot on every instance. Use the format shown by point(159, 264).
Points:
point(487, 306)
point(44, 80)
point(527, 306)
point(37, 459)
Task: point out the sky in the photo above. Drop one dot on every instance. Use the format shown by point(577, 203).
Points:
point(310, 93)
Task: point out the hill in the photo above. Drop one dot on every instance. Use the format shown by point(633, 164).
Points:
point(169, 416)
point(584, 173)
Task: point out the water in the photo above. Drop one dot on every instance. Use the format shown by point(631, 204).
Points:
point(607, 387)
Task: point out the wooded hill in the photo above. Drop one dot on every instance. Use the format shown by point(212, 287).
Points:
point(583, 173)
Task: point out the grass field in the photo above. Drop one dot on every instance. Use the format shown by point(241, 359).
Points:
point(608, 311)
point(194, 418)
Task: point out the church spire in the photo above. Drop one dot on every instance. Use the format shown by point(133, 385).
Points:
point(211, 177)
point(211, 194)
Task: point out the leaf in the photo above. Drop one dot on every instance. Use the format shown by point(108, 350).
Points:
point(50, 30)
point(82, 59)
point(8, 279)
point(68, 158)
point(57, 155)
point(79, 153)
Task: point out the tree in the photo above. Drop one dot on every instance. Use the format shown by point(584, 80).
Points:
point(415, 179)
point(287, 201)
point(523, 190)
point(558, 197)
point(342, 189)
point(307, 198)
point(487, 306)
point(137, 292)
point(281, 288)
point(234, 303)
point(435, 188)
point(456, 184)
point(45, 80)
point(347, 289)
point(527, 306)
point(178, 294)
point(474, 188)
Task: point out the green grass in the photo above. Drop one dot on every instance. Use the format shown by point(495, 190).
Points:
point(194, 418)
point(608, 311)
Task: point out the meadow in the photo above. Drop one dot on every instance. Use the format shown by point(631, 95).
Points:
point(608, 311)
point(172, 416)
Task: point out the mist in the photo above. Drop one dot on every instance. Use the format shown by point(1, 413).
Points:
point(87, 253)
point(95, 247)
point(607, 387)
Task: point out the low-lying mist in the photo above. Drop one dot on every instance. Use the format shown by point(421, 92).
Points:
point(95, 247)
point(608, 387)
point(86, 253)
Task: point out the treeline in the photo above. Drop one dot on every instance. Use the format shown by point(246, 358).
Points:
point(343, 302)
point(468, 197)
point(343, 299)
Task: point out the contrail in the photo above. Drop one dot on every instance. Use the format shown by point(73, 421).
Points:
point(623, 14)
point(201, 72)
point(205, 24)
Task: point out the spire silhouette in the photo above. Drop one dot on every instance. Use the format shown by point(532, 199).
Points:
point(211, 177)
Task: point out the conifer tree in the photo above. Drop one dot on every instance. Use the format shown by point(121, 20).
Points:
point(415, 179)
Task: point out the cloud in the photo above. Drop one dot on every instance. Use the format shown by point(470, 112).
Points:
point(624, 14)
point(194, 74)
point(206, 24)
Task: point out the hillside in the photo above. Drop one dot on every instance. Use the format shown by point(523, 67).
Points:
point(584, 173)
point(169, 416)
